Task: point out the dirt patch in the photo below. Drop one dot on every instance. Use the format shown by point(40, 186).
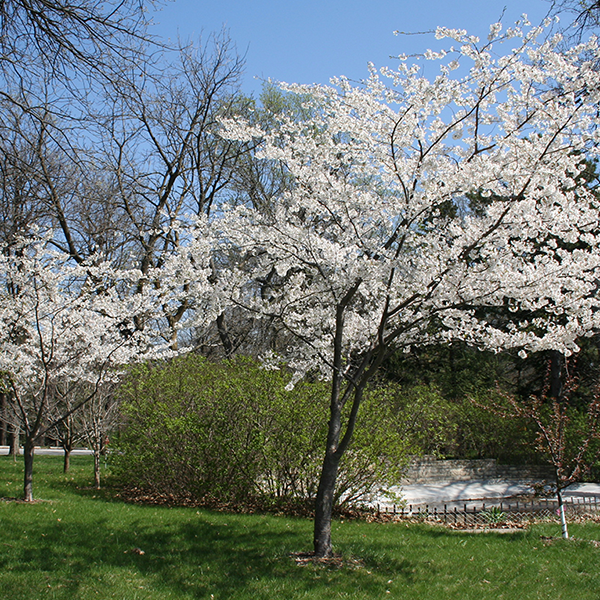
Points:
point(21, 501)
point(550, 540)
point(303, 559)
point(504, 529)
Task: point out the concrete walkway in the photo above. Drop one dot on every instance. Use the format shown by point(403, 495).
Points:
point(453, 492)
point(48, 451)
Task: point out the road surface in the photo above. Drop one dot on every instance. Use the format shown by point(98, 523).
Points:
point(48, 451)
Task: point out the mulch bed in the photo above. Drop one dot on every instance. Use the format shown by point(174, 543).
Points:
point(289, 507)
point(303, 559)
point(305, 509)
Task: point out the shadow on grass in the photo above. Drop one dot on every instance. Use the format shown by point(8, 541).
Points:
point(184, 552)
point(86, 540)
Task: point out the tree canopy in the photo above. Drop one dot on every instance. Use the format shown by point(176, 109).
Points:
point(426, 210)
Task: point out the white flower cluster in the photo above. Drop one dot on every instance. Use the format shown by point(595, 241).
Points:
point(446, 209)
point(417, 210)
point(64, 322)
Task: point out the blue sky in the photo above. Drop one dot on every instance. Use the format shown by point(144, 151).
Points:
point(313, 40)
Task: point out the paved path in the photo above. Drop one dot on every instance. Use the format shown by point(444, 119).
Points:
point(48, 451)
point(453, 492)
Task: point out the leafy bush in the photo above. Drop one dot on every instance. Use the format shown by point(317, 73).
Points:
point(189, 429)
point(231, 431)
point(424, 417)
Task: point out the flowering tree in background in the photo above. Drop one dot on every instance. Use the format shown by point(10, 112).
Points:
point(89, 421)
point(426, 211)
point(567, 436)
point(70, 326)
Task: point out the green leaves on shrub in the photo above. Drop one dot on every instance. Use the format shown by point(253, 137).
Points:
point(231, 432)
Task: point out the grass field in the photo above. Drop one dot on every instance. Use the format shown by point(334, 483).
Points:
point(76, 543)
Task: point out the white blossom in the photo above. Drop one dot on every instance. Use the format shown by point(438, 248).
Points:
point(434, 206)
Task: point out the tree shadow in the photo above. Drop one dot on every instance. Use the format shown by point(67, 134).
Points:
point(193, 555)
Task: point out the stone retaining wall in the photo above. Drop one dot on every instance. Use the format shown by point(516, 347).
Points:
point(430, 470)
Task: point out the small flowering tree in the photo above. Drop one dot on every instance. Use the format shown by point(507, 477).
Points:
point(568, 437)
point(96, 419)
point(68, 326)
point(426, 210)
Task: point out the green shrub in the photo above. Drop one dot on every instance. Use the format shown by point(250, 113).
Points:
point(230, 431)
point(425, 418)
point(188, 429)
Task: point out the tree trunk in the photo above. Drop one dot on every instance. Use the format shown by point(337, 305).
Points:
point(561, 511)
point(557, 363)
point(337, 444)
point(224, 336)
point(14, 446)
point(28, 453)
point(97, 468)
point(324, 505)
point(3, 423)
point(335, 448)
point(67, 460)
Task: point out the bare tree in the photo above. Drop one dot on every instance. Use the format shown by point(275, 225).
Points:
point(117, 174)
point(96, 420)
point(567, 436)
point(67, 39)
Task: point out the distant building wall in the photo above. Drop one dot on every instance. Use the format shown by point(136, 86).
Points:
point(430, 470)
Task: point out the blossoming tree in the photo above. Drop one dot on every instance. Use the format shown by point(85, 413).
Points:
point(69, 327)
point(426, 210)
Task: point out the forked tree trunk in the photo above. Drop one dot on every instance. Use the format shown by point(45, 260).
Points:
point(337, 444)
point(28, 454)
point(338, 441)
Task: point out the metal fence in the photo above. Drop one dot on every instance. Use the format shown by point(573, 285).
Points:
point(500, 514)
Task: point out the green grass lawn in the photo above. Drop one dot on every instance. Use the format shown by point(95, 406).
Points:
point(78, 543)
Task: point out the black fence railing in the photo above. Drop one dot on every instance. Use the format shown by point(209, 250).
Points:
point(494, 514)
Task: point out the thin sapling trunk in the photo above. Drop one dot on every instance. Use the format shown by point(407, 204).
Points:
point(561, 512)
point(97, 467)
point(28, 454)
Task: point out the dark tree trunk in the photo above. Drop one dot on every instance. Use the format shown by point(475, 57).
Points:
point(338, 441)
point(337, 444)
point(224, 336)
point(28, 454)
point(557, 363)
point(67, 460)
point(324, 506)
